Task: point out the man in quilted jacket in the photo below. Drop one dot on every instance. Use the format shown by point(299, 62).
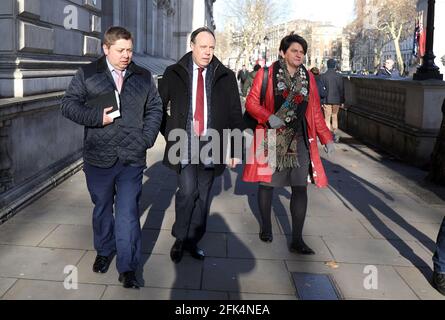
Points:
point(115, 147)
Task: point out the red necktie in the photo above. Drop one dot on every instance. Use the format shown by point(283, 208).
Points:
point(199, 111)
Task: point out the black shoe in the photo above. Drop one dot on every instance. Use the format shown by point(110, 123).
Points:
point(101, 264)
point(194, 251)
point(266, 237)
point(439, 282)
point(301, 249)
point(336, 138)
point(177, 251)
point(128, 279)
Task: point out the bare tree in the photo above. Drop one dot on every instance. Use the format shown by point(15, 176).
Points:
point(380, 22)
point(396, 19)
point(252, 17)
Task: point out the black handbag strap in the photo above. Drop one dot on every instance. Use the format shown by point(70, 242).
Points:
point(264, 84)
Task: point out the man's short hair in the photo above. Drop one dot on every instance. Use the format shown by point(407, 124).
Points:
point(287, 41)
point(331, 63)
point(198, 31)
point(256, 67)
point(114, 34)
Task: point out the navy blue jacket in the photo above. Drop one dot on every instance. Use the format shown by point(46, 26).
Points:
point(129, 137)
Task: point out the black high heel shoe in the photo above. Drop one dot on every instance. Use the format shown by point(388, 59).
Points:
point(301, 249)
point(266, 237)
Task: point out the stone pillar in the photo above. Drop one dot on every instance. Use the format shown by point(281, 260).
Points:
point(37, 36)
point(169, 32)
point(141, 33)
point(160, 30)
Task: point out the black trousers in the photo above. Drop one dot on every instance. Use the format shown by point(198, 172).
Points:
point(192, 202)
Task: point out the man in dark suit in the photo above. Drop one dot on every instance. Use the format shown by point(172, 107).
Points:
point(115, 148)
point(335, 98)
point(388, 70)
point(242, 77)
point(200, 95)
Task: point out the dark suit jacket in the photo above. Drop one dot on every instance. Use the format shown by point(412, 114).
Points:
point(334, 85)
point(225, 104)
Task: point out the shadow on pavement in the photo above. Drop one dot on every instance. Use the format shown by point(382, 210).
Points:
point(368, 203)
point(217, 273)
point(151, 195)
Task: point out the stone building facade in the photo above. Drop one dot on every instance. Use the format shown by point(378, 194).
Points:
point(43, 43)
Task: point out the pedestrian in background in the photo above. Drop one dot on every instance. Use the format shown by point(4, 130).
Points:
point(388, 70)
point(335, 97)
point(249, 81)
point(243, 74)
point(322, 90)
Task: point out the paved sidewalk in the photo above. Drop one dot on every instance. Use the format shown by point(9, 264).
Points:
point(376, 212)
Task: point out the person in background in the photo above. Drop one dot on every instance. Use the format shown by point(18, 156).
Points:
point(335, 97)
point(243, 74)
point(249, 81)
point(387, 70)
point(322, 90)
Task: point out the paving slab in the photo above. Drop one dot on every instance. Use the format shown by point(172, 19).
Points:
point(160, 242)
point(70, 237)
point(36, 263)
point(55, 214)
point(247, 275)
point(26, 234)
point(228, 202)
point(52, 290)
point(419, 280)
point(424, 233)
point(120, 293)
point(236, 223)
point(350, 280)
point(158, 271)
point(328, 226)
point(381, 252)
point(250, 246)
point(5, 284)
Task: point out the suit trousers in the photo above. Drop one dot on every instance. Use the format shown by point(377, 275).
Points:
point(120, 187)
point(192, 202)
point(439, 255)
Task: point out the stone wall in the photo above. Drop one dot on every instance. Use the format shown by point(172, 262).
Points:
point(402, 117)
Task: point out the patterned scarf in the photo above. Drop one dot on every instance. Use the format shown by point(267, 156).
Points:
point(295, 91)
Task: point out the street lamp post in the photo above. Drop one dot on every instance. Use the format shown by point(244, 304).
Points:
point(428, 69)
point(266, 41)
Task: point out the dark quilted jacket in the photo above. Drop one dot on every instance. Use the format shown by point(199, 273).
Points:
point(128, 138)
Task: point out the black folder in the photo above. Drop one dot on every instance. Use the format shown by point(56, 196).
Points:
point(106, 100)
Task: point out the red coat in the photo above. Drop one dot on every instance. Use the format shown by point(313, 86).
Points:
point(316, 127)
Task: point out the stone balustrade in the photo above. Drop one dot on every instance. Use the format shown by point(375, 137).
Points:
point(401, 116)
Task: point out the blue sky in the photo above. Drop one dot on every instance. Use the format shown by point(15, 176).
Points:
point(339, 12)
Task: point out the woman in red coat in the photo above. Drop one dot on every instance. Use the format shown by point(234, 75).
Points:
point(288, 155)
